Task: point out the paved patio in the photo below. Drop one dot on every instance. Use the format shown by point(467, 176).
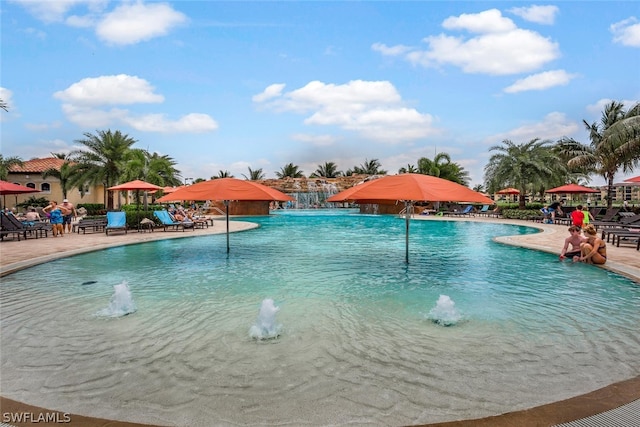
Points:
point(16, 255)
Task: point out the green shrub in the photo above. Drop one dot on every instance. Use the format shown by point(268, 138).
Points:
point(525, 214)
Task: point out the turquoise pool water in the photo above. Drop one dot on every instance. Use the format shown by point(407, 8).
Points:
point(357, 344)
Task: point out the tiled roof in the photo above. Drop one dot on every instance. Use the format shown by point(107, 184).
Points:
point(38, 165)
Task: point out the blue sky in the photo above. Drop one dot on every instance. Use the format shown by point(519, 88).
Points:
point(231, 85)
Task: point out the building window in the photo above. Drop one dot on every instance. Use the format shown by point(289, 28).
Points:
point(45, 187)
point(31, 185)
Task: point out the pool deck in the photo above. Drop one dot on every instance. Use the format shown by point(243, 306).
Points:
point(17, 255)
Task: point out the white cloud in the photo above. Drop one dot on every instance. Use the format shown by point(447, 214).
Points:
point(193, 123)
point(541, 81)
point(55, 10)
point(6, 95)
point(497, 47)
point(316, 140)
point(545, 15)
point(390, 50)
point(82, 102)
point(489, 21)
point(131, 23)
point(33, 32)
point(110, 90)
point(553, 127)
point(626, 32)
point(272, 91)
point(373, 109)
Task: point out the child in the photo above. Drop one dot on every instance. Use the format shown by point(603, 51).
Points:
point(577, 217)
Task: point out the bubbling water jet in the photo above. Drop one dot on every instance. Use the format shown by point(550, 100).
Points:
point(266, 327)
point(445, 312)
point(121, 302)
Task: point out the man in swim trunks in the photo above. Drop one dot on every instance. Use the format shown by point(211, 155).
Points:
point(66, 223)
point(556, 209)
point(575, 239)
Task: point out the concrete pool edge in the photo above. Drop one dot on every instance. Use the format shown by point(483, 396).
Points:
point(591, 403)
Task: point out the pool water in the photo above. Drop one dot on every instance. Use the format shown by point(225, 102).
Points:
point(357, 343)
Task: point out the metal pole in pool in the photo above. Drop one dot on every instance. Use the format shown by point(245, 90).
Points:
point(226, 204)
point(407, 215)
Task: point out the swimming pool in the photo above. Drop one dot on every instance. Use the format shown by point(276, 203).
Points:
point(357, 344)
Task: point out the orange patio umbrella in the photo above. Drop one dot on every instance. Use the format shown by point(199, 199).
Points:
point(133, 186)
point(409, 188)
point(572, 189)
point(509, 190)
point(227, 189)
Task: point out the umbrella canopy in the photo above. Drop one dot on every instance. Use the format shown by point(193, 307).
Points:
point(409, 187)
point(572, 189)
point(634, 179)
point(169, 189)
point(11, 188)
point(227, 189)
point(509, 190)
point(135, 185)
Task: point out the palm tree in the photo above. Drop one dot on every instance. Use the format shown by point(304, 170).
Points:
point(150, 167)
point(369, 167)
point(290, 171)
point(478, 188)
point(442, 167)
point(615, 144)
point(4, 105)
point(523, 166)
point(64, 175)
point(222, 174)
point(327, 170)
point(408, 169)
point(102, 161)
point(7, 164)
point(254, 175)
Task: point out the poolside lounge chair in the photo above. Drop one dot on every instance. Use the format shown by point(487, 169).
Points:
point(116, 221)
point(167, 221)
point(468, 210)
point(11, 224)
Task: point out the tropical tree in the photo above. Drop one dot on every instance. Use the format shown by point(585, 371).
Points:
point(4, 105)
point(7, 163)
point(442, 167)
point(101, 161)
point(524, 166)
point(615, 144)
point(408, 169)
point(64, 175)
point(289, 171)
point(222, 174)
point(150, 167)
point(369, 167)
point(327, 170)
point(254, 175)
point(478, 188)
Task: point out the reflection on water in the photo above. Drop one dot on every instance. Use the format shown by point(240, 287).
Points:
point(356, 346)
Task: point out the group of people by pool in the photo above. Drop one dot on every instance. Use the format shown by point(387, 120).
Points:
point(60, 216)
point(587, 248)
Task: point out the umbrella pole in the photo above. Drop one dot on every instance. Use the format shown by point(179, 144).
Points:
point(226, 204)
point(407, 216)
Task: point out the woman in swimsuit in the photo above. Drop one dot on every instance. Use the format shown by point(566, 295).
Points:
point(594, 249)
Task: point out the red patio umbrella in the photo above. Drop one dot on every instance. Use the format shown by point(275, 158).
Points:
point(634, 179)
point(572, 189)
point(509, 191)
point(11, 188)
point(227, 189)
point(409, 188)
